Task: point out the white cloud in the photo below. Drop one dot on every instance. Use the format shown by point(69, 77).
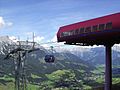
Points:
point(38, 39)
point(54, 39)
point(2, 22)
point(9, 24)
point(45, 45)
point(53, 42)
point(13, 38)
point(29, 33)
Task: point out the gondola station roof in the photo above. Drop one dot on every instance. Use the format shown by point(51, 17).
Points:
point(98, 31)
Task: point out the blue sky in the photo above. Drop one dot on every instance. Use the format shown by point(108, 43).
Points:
point(44, 17)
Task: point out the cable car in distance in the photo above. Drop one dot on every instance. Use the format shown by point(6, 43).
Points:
point(49, 58)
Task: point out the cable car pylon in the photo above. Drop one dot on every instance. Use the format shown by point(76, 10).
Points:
point(19, 55)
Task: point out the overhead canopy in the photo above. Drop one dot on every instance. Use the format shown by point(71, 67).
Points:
point(99, 31)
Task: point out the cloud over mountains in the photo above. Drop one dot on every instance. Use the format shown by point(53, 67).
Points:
point(4, 23)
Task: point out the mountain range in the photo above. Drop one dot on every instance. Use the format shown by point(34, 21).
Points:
point(94, 55)
point(35, 63)
point(82, 61)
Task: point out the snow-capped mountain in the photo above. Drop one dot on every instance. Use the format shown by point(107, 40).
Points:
point(94, 55)
point(4, 43)
point(35, 60)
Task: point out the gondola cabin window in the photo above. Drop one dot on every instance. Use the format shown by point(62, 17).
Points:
point(65, 34)
point(76, 31)
point(101, 27)
point(94, 28)
point(109, 25)
point(72, 32)
point(87, 29)
point(82, 30)
point(61, 34)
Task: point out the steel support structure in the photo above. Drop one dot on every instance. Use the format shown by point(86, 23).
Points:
point(108, 67)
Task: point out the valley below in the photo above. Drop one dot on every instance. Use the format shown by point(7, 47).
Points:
point(71, 70)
